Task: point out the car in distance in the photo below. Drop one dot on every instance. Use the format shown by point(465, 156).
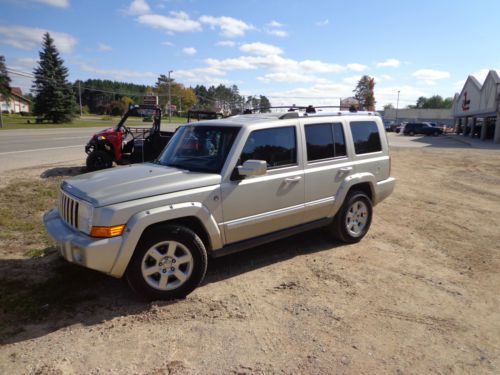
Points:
point(413, 128)
point(222, 186)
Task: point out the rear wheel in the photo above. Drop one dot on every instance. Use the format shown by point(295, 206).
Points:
point(435, 134)
point(99, 159)
point(354, 218)
point(169, 263)
point(411, 133)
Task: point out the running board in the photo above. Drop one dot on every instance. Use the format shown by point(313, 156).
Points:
point(261, 240)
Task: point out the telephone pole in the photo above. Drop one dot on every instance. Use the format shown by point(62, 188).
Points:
point(169, 97)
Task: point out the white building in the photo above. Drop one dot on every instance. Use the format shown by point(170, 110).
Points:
point(476, 108)
point(16, 102)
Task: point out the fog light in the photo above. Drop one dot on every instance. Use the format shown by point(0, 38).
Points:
point(104, 232)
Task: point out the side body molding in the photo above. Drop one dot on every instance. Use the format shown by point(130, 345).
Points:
point(141, 220)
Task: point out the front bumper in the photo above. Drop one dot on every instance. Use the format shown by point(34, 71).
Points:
point(77, 247)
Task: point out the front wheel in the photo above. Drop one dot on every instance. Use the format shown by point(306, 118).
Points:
point(99, 159)
point(169, 263)
point(354, 218)
point(435, 134)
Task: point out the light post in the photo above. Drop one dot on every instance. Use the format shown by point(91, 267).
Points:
point(169, 97)
point(397, 107)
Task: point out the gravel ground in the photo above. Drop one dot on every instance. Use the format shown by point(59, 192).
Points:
point(418, 295)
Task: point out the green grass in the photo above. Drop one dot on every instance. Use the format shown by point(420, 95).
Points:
point(21, 122)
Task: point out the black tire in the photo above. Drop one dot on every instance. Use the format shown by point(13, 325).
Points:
point(340, 225)
point(189, 241)
point(411, 133)
point(435, 134)
point(99, 159)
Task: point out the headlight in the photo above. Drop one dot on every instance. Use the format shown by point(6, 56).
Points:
point(85, 215)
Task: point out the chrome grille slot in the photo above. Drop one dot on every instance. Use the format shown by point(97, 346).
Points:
point(68, 209)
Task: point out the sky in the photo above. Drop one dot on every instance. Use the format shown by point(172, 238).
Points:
point(294, 52)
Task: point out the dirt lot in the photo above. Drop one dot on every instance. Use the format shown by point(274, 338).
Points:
point(420, 294)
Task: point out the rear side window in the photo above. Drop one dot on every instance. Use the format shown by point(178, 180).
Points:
point(365, 136)
point(277, 146)
point(324, 141)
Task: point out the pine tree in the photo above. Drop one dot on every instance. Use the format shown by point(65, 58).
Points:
point(4, 85)
point(54, 97)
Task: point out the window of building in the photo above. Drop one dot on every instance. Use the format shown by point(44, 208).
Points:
point(365, 136)
point(277, 146)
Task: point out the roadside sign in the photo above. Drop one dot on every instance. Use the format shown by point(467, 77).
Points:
point(150, 100)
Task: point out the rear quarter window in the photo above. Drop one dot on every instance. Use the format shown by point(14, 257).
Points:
point(366, 137)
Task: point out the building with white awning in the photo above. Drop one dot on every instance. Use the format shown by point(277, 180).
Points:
point(476, 108)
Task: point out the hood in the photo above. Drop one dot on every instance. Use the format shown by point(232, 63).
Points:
point(136, 181)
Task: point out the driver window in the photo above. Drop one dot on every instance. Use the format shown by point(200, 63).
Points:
point(277, 146)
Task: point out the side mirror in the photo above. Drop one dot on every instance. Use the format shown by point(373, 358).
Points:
point(253, 168)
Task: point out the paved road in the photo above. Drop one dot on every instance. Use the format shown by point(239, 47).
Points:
point(27, 148)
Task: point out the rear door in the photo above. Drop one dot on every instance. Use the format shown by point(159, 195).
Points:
point(326, 165)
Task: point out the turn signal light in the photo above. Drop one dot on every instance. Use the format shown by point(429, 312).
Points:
point(104, 232)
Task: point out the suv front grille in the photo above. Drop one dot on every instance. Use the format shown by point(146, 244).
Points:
point(68, 209)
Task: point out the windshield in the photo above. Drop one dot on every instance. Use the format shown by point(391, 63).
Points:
point(199, 148)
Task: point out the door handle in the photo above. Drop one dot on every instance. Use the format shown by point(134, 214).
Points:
point(345, 169)
point(292, 179)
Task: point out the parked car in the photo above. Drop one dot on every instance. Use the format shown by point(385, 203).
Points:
point(223, 186)
point(413, 128)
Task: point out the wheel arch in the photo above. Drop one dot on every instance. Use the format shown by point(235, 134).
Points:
point(193, 215)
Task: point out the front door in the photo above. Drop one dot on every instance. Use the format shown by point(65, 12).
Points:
point(259, 205)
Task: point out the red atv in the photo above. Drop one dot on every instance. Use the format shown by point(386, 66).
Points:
point(125, 145)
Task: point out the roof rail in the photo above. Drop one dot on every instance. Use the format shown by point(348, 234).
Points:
point(293, 108)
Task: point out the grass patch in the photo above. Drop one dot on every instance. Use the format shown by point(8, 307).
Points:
point(39, 253)
point(22, 204)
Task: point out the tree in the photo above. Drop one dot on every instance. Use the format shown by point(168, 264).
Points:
point(54, 97)
point(264, 103)
point(4, 85)
point(388, 106)
point(364, 93)
point(434, 102)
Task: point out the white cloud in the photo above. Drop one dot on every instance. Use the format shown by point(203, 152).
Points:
point(315, 66)
point(189, 50)
point(262, 49)
point(389, 63)
point(54, 3)
point(275, 63)
point(23, 63)
point(290, 77)
point(138, 7)
point(167, 43)
point(323, 23)
point(352, 80)
point(104, 47)
point(226, 43)
point(118, 74)
point(430, 76)
point(230, 27)
point(27, 38)
point(275, 24)
point(177, 22)
point(386, 77)
point(278, 33)
point(357, 67)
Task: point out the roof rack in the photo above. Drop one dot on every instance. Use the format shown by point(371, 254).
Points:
point(294, 111)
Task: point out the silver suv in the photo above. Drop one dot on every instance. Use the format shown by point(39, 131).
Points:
point(222, 186)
